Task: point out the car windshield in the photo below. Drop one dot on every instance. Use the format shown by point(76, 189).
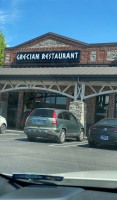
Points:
point(58, 89)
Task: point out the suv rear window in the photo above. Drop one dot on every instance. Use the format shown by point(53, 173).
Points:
point(42, 113)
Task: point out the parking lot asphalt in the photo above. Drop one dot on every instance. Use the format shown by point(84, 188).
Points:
point(17, 154)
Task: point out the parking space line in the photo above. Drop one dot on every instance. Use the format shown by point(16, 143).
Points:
point(67, 145)
point(5, 140)
point(8, 134)
point(13, 131)
point(8, 139)
point(64, 144)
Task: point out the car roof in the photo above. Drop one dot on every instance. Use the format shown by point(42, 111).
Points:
point(106, 120)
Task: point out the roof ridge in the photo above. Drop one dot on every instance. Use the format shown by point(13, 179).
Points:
point(51, 34)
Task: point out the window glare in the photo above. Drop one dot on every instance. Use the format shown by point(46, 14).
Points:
point(61, 100)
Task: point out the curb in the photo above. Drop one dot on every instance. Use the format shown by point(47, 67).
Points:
point(14, 131)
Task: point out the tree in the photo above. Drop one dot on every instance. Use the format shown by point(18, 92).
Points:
point(2, 47)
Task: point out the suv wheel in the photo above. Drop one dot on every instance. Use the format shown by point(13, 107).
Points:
point(61, 138)
point(2, 128)
point(81, 136)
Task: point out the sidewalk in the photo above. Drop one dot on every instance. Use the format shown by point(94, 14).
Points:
point(14, 131)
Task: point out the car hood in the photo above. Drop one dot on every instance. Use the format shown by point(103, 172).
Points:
point(98, 179)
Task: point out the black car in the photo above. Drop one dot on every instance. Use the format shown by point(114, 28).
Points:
point(103, 132)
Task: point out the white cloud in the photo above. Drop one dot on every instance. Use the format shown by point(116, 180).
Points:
point(10, 14)
point(8, 45)
point(3, 17)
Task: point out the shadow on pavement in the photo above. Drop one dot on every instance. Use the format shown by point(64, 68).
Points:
point(37, 140)
point(44, 140)
point(21, 139)
point(107, 147)
point(83, 145)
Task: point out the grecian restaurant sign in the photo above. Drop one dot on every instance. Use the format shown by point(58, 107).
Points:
point(48, 56)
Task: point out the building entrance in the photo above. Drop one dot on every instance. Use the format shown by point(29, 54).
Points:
point(102, 105)
point(12, 109)
point(34, 100)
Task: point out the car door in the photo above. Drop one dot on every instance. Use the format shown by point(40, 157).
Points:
point(75, 128)
point(66, 118)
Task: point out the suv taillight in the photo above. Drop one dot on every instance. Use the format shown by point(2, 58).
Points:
point(54, 120)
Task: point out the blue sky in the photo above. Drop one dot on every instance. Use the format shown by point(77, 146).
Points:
point(91, 21)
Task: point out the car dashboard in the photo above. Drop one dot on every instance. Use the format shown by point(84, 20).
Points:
point(11, 190)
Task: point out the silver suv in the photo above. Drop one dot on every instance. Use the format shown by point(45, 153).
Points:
point(53, 123)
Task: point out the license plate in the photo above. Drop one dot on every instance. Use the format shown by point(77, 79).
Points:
point(38, 121)
point(105, 129)
point(103, 137)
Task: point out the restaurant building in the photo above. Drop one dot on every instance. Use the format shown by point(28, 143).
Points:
point(56, 71)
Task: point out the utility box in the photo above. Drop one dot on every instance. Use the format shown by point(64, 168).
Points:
point(78, 108)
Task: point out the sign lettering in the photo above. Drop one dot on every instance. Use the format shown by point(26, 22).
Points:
point(56, 56)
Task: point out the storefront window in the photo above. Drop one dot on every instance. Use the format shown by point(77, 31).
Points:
point(102, 104)
point(50, 100)
point(28, 106)
point(29, 101)
point(41, 100)
point(61, 100)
